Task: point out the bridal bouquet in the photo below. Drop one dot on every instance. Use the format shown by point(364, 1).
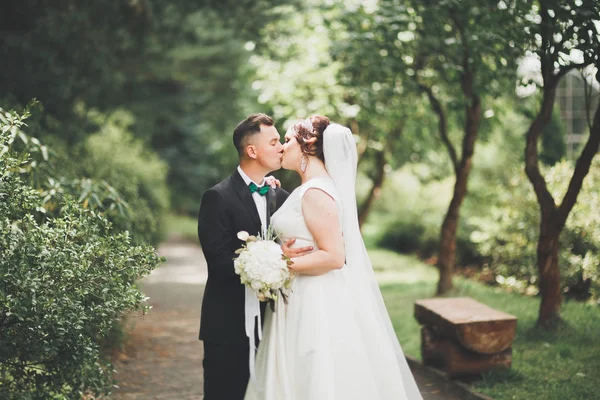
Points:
point(263, 267)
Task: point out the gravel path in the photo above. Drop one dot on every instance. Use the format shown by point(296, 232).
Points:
point(162, 356)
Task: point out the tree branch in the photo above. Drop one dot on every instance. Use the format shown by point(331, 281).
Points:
point(532, 168)
point(546, 58)
point(582, 167)
point(473, 114)
point(551, 80)
point(442, 124)
point(381, 158)
point(568, 68)
point(587, 96)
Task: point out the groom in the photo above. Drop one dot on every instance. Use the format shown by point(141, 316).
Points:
point(242, 202)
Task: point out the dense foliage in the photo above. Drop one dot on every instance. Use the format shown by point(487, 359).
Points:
point(506, 237)
point(66, 277)
point(180, 68)
point(137, 173)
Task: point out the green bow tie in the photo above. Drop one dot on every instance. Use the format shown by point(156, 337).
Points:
point(262, 190)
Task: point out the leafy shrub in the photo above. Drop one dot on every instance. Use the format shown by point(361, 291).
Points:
point(508, 236)
point(411, 236)
point(417, 211)
point(134, 171)
point(64, 282)
point(403, 236)
point(50, 172)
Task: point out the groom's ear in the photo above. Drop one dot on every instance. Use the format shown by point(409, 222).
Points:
point(251, 152)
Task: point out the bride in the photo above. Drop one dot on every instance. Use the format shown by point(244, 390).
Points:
point(334, 338)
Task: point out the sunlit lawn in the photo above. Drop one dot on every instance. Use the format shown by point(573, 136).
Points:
point(549, 366)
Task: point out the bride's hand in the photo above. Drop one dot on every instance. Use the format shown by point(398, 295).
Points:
point(297, 252)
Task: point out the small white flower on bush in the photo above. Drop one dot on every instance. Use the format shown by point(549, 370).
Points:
point(262, 267)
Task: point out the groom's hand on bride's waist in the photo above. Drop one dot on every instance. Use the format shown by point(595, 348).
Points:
point(296, 252)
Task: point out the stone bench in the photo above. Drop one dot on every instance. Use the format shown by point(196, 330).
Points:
point(464, 337)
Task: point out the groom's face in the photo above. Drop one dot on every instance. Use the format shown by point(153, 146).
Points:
point(267, 147)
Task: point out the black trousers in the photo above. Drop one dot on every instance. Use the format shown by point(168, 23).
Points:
point(226, 371)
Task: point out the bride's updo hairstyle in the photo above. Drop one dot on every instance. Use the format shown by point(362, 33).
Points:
point(307, 129)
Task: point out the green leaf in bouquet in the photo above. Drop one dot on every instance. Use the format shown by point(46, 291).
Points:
point(272, 304)
point(284, 297)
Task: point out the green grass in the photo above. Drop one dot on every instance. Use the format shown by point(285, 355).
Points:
point(550, 366)
point(181, 227)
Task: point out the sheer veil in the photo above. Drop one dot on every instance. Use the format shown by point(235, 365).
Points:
point(341, 159)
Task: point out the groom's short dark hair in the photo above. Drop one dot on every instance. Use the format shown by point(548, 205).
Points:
point(247, 128)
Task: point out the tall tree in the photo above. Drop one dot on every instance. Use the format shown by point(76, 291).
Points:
point(565, 36)
point(391, 124)
point(457, 54)
point(479, 50)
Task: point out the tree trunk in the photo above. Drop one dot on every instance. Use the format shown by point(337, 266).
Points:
point(552, 222)
point(365, 209)
point(547, 259)
point(547, 248)
point(449, 226)
point(447, 252)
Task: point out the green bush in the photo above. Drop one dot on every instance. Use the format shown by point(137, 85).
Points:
point(137, 197)
point(403, 236)
point(134, 171)
point(412, 236)
point(65, 280)
point(417, 211)
point(508, 235)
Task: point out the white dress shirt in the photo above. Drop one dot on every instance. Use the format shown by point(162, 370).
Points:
point(251, 304)
point(260, 201)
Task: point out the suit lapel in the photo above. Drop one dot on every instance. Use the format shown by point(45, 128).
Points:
point(245, 197)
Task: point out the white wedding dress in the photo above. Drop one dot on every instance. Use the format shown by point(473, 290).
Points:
point(334, 339)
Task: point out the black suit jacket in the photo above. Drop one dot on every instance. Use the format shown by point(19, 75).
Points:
point(226, 209)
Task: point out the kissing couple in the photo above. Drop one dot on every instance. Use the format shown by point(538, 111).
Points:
point(333, 339)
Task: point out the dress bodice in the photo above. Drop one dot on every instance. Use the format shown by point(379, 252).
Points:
point(288, 222)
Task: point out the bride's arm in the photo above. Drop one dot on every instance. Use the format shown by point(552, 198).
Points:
point(321, 217)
